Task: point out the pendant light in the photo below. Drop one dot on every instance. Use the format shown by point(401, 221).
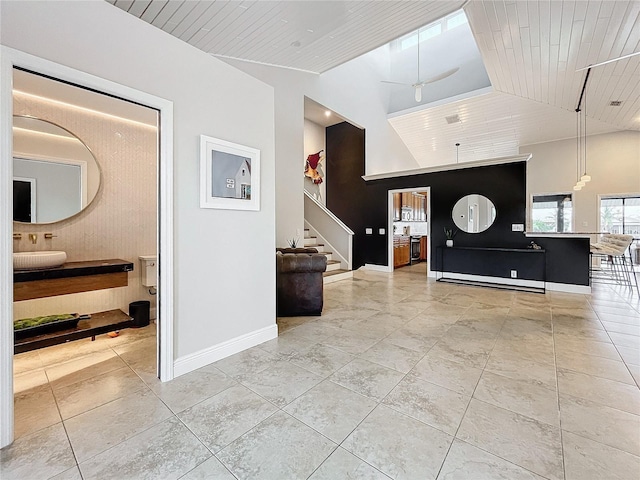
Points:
point(418, 94)
point(581, 139)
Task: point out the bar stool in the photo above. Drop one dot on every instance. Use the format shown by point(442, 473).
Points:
point(612, 250)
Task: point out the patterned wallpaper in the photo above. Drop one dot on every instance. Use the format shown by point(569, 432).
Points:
point(122, 220)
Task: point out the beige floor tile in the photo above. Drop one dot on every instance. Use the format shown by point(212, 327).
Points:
point(279, 447)
point(625, 328)
point(630, 356)
point(191, 388)
point(83, 368)
point(597, 366)
point(525, 351)
point(42, 454)
point(537, 402)
point(574, 331)
point(625, 319)
point(624, 340)
point(51, 356)
point(211, 469)
point(253, 360)
point(533, 445)
point(600, 423)
point(353, 343)
point(392, 356)
point(623, 309)
point(26, 362)
point(332, 410)
point(34, 410)
point(399, 446)
point(415, 338)
point(167, 450)
point(342, 464)
point(517, 368)
point(466, 462)
point(315, 331)
point(99, 429)
point(281, 383)
point(71, 474)
point(223, 418)
point(391, 320)
point(321, 360)
point(286, 345)
point(29, 380)
point(367, 378)
point(431, 404)
point(469, 352)
point(91, 393)
point(600, 390)
point(565, 344)
point(586, 459)
point(447, 373)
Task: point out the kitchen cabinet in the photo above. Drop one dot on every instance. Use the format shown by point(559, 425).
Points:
point(401, 251)
point(397, 207)
point(423, 248)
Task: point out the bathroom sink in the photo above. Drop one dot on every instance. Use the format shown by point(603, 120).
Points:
point(41, 259)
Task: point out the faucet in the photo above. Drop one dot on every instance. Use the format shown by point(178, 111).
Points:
point(33, 237)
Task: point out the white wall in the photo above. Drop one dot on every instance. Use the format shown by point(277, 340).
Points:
point(352, 90)
point(613, 161)
point(224, 264)
point(315, 139)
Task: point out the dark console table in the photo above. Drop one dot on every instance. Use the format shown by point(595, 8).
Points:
point(494, 262)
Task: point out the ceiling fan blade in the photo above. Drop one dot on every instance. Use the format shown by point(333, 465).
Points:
point(395, 83)
point(442, 76)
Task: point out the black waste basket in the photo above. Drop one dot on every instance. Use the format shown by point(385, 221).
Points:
point(139, 311)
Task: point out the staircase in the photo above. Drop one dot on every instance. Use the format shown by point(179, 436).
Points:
point(334, 271)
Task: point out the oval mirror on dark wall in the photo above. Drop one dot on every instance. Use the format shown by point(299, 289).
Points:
point(473, 213)
point(55, 175)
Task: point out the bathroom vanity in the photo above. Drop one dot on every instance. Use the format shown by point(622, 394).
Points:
point(73, 277)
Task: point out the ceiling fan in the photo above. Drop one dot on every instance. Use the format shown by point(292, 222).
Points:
point(421, 83)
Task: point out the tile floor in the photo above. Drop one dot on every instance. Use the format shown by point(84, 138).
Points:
point(399, 378)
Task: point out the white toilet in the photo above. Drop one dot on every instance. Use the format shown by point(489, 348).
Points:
point(149, 270)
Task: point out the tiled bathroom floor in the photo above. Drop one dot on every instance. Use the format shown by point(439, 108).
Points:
point(399, 378)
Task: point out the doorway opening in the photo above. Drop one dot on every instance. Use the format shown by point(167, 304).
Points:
point(87, 241)
point(409, 215)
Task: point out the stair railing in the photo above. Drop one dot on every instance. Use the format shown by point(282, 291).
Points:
point(330, 230)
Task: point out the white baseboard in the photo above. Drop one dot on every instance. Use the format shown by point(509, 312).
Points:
point(199, 359)
point(569, 288)
point(517, 282)
point(377, 268)
point(555, 287)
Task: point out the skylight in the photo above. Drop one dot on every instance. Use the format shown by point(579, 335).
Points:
point(435, 62)
point(433, 29)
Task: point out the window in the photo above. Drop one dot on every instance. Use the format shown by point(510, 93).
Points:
point(552, 213)
point(456, 20)
point(620, 215)
point(434, 29)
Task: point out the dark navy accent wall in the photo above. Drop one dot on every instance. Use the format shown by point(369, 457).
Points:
point(363, 205)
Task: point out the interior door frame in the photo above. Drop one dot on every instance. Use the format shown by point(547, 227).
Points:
point(10, 58)
point(390, 224)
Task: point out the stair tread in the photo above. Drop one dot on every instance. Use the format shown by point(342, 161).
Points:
point(332, 262)
point(335, 272)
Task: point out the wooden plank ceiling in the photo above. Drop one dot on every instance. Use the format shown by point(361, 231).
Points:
point(308, 35)
point(531, 49)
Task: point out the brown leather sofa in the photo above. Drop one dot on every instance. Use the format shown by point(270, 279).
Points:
point(299, 281)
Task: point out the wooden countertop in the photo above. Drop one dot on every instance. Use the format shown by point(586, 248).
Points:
point(74, 269)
